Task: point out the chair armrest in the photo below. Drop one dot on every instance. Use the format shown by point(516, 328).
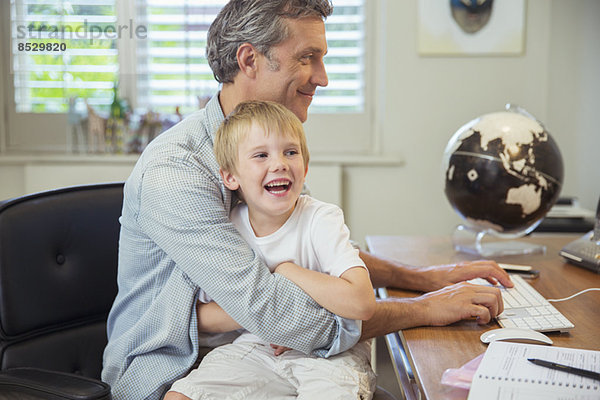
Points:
point(37, 384)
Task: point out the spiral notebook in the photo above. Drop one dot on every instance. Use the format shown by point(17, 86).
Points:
point(505, 373)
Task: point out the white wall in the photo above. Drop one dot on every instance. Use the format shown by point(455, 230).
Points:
point(428, 98)
point(574, 94)
point(29, 174)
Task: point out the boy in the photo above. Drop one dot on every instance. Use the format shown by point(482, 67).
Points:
point(261, 149)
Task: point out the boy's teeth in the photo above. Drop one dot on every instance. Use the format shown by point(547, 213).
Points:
point(277, 187)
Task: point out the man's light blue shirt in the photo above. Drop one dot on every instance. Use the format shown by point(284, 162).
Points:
point(176, 238)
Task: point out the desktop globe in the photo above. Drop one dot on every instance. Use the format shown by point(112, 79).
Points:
point(503, 172)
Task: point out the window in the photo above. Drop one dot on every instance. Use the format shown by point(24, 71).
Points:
point(345, 60)
point(160, 70)
point(62, 49)
point(171, 68)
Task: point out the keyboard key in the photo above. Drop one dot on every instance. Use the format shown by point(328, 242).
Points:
point(533, 311)
point(525, 307)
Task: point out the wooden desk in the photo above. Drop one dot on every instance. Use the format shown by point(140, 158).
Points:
point(429, 351)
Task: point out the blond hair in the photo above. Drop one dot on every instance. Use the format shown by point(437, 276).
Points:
point(270, 116)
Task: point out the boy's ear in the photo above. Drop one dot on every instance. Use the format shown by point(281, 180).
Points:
point(246, 58)
point(229, 180)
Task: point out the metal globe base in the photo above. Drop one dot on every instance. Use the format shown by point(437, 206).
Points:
point(486, 244)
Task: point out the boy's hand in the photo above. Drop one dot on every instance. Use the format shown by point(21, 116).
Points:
point(279, 350)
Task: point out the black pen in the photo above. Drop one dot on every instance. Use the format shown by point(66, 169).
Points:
point(566, 368)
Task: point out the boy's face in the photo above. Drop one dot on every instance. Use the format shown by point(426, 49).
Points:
point(270, 173)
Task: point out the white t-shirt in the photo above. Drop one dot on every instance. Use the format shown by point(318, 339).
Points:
point(314, 237)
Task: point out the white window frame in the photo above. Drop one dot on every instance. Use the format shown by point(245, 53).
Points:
point(344, 135)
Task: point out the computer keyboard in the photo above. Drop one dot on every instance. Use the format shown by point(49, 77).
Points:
point(524, 307)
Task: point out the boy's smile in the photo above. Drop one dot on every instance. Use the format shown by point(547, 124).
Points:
point(278, 187)
point(270, 175)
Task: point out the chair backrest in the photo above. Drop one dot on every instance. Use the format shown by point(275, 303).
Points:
point(58, 268)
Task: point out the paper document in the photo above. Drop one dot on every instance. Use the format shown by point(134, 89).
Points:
point(505, 373)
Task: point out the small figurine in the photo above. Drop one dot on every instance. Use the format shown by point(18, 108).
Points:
point(202, 101)
point(117, 123)
point(96, 131)
point(76, 137)
point(171, 120)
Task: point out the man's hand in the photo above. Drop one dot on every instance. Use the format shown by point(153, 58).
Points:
point(439, 276)
point(461, 301)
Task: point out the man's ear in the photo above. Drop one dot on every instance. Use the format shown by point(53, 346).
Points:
point(246, 58)
point(229, 180)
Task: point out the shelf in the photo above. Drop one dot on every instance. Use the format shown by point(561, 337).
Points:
point(315, 159)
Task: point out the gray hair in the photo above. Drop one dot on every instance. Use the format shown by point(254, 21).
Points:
point(258, 22)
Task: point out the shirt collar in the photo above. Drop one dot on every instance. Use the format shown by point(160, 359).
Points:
point(214, 115)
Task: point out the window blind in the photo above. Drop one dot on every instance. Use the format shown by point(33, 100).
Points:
point(173, 71)
point(171, 67)
point(61, 49)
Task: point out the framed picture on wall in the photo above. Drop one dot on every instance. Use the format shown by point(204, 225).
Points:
point(471, 27)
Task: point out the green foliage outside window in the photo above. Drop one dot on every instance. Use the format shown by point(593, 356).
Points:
point(88, 68)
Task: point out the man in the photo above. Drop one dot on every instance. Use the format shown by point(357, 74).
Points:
point(176, 237)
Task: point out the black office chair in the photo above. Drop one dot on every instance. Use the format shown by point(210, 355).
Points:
point(58, 269)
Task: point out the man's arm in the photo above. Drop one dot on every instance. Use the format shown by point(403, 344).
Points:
point(450, 299)
point(386, 272)
point(442, 307)
point(349, 296)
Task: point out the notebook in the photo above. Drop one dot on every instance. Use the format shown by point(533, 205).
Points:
point(505, 373)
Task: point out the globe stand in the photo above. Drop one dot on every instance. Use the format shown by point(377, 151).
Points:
point(488, 244)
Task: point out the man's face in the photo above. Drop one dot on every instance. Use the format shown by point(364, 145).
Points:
point(270, 174)
point(296, 67)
